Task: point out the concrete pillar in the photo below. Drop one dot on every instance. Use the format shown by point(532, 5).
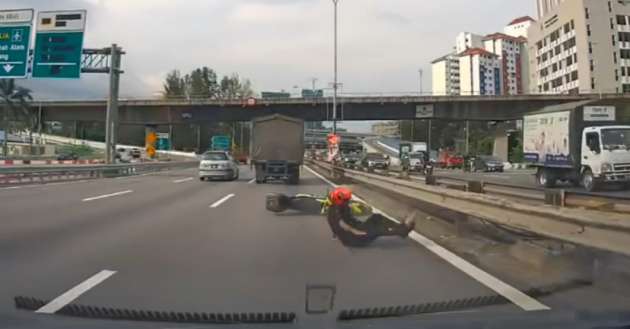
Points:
point(500, 149)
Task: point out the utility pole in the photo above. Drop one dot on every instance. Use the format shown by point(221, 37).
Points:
point(467, 137)
point(313, 81)
point(335, 2)
point(111, 121)
point(420, 72)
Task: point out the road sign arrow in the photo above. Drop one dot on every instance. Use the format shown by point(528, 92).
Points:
point(8, 67)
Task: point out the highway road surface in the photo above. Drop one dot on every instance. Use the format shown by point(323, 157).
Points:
point(167, 241)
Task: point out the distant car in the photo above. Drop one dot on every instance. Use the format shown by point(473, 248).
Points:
point(136, 153)
point(218, 165)
point(350, 160)
point(68, 156)
point(123, 155)
point(487, 163)
point(455, 161)
point(418, 161)
point(375, 161)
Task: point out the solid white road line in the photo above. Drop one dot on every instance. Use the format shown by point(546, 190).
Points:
point(252, 181)
point(106, 196)
point(183, 180)
point(219, 202)
point(74, 293)
point(514, 295)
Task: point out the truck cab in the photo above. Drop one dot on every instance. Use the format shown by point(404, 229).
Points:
point(605, 155)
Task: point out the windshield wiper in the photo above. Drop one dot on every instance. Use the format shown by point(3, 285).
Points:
point(453, 305)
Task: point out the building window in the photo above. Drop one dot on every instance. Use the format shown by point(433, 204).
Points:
point(612, 25)
point(590, 48)
point(624, 36)
point(614, 43)
point(588, 29)
point(609, 7)
point(569, 61)
point(586, 14)
point(574, 75)
point(625, 53)
point(567, 78)
point(572, 25)
point(539, 44)
point(623, 71)
point(544, 57)
point(554, 67)
point(592, 66)
point(621, 20)
point(558, 50)
point(593, 83)
point(567, 28)
point(626, 88)
point(615, 57)
point(546, 86)
point(555, 35)
point(616, 75)
point(575, 58)
point(569, 44)
point(557, 82)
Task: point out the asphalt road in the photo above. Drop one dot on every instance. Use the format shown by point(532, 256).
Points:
point(170, 242)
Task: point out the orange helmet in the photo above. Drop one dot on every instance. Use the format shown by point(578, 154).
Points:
point(340, 196)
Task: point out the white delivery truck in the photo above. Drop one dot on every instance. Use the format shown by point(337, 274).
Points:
point(581, 143)
point(418, 147)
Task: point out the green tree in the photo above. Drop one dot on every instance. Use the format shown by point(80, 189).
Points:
point(233, 87)
point(202, 83)
point(17, 114)
point(174, 85)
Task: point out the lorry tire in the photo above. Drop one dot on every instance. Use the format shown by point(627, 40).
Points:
point(545, 178)
point(588, 181)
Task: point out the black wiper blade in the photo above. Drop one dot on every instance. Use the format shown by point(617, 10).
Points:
point(453, 305)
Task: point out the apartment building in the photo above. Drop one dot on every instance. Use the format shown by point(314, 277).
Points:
point(479, 72)
point(445, 76)
point(581, 46)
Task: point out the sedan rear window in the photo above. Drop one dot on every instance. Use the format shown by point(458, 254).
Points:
point(214, 156)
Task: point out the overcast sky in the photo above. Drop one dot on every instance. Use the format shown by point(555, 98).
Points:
point(278, 44)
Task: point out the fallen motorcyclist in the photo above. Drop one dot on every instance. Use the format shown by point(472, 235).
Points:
point(342, 211)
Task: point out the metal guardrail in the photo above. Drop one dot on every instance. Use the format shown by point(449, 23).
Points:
point(10, 176)
point(556, 197)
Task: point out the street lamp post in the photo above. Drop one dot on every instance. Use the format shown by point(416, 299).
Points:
point(335, 2)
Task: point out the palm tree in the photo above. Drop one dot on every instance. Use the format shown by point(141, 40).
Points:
point(15, 104)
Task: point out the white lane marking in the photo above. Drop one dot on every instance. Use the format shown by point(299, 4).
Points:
point(517, 297)
point(106, 196)
point(219, 202)
point(252, 181)
point(183, 180)
point(74, 293)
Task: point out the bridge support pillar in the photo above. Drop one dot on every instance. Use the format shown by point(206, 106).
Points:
point(500, 149)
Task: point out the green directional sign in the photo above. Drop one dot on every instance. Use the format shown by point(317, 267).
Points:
point(59, 44)
point(222, 143)
point(15, 36)
point(58, 55)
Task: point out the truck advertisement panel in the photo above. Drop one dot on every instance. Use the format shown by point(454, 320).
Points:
point(546, 138)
